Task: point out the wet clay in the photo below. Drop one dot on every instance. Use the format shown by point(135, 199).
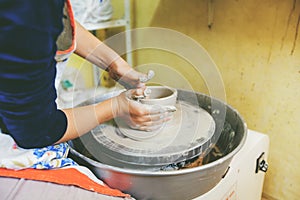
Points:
point(190, 127)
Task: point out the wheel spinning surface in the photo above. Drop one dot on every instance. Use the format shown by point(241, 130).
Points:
point(180, 139)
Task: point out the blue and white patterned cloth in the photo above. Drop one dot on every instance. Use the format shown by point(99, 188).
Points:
point(50, 157)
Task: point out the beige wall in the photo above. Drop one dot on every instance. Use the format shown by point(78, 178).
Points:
point(255, 44)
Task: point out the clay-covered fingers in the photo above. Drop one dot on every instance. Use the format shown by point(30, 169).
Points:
point(150, 118)
point(150, 125)
point(140, 116)
point(129, 78)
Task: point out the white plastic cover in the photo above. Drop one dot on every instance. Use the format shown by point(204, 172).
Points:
point(91, 12)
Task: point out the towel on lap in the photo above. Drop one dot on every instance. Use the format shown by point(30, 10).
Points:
point(49, 164)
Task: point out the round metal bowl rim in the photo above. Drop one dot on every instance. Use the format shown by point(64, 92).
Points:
point(163, 173)
point(173, 172)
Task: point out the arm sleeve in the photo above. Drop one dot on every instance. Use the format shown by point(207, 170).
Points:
point(28, 33)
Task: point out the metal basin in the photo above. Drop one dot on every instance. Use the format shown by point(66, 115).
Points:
point(176, 184)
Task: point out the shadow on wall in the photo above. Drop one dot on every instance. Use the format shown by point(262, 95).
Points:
point(255, 44)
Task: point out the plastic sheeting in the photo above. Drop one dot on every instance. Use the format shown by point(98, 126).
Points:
point(91, 12)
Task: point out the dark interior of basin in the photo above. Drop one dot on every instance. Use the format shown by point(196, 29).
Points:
point(230, 131)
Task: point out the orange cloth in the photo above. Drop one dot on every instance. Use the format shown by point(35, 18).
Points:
point(64, 176)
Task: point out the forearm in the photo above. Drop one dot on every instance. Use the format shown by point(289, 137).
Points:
point(95, 51)
point(83, 119)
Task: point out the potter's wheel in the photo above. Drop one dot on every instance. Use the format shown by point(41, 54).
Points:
point(175, 184)
point(184, 137)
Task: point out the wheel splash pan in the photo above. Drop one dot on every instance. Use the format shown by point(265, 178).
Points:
point(175, 184)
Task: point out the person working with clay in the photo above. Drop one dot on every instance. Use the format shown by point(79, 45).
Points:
point(30, 36)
